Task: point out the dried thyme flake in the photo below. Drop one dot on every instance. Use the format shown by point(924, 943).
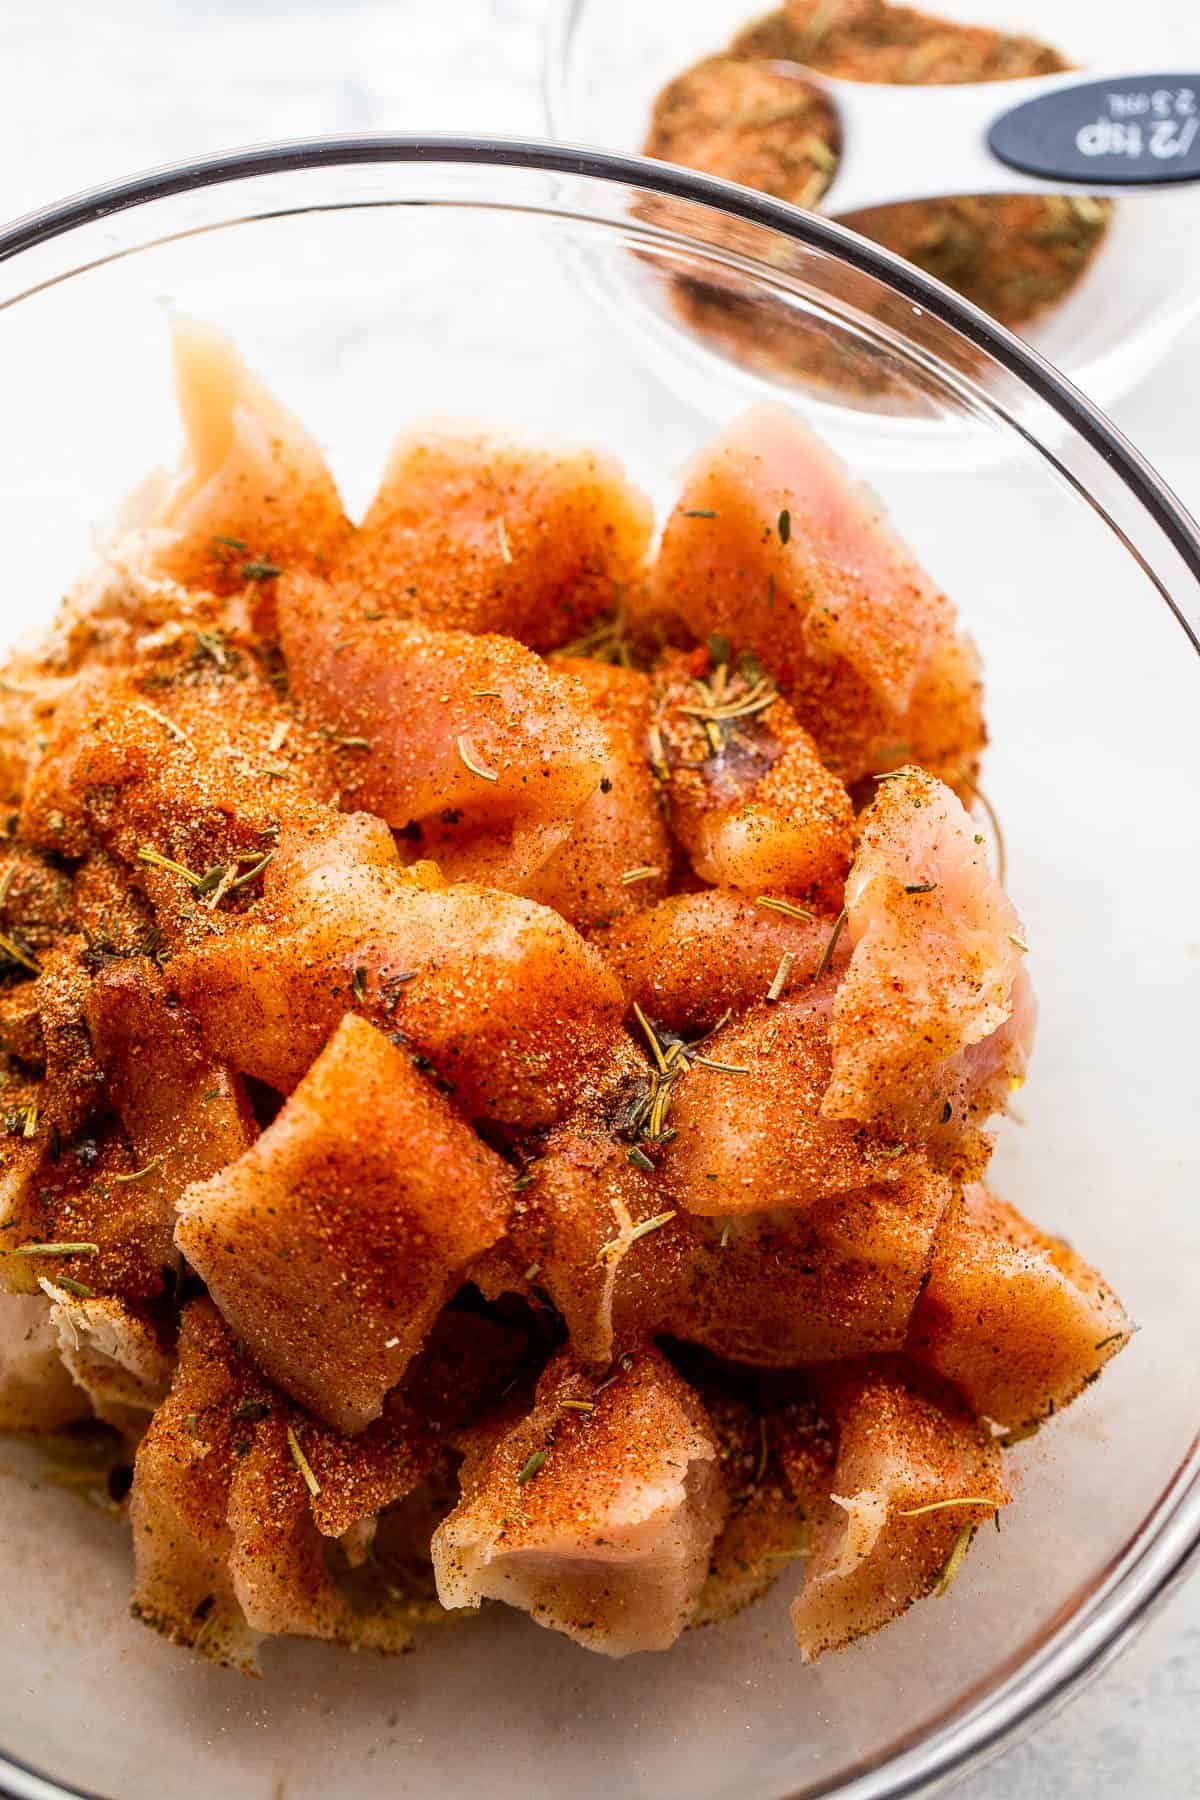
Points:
point(302, 1463)
point(710, 1062)
point(654, 1224)
point(699, 512)
point(954, 1561)
point(231, 543)
point(787, 907)
point(55, 1249)
point(531, 1467)
point(16, 953)
point(827, 954)
point(250, 874)
point(1018, 941)
point(212, 644)
point(583, 1406)
point(1114, 1337)
point(920, 887)
point(640, 1160)
point(486, 694)
point(358, 983)
point(252, 1409)
point(156, 860)
point(260, 570)
point(160, 718)
point(785, 520)
point(651, 1038)
point(80, 1289)
point(140, 1174)
point(502, 538)
point(644, 872)
point(916, 1512)
point(779, 979)
point(467, 754)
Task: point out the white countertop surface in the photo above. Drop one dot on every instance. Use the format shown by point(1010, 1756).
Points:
point(95, 91)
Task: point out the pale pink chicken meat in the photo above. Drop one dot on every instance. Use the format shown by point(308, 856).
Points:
point(334, 1242)
point(695, 957)
point(905, 1446)
point(754, 1134)
point(618, 857)
point(1016, 1319)
point(471, 741)
point(774, 547)
point(596, 1512)
point(747, 793)
point(252, 494)
point(37, 1392)
point(117, 1354)
point(933, 1018)
point(512, 1008)
point(472, 531)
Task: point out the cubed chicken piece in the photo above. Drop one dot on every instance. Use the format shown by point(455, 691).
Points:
point(779, 1289)
point(334, 1242)
point(596, 1513)
point(185, 1116)
point(471, 741)
point(617, 859)
point(37, 1392)
point(915, 1474)
point(751, 1134)
point(749, 798)
point(252, 494)
point(506, 1001)
point(933, 1019)
point(471, 531)
point(180, 1497)
point(1015, 1318)
point(773, 547)
point(694, 958)
point(114, 1352)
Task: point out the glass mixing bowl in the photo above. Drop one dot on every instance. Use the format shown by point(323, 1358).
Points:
point(374, 280)
point(606, 60)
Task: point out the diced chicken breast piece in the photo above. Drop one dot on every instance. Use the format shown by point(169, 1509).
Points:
point(935, 973)
point(693, 958)
point(470, 740)
point(905, 1447)
point(184, 1115)
point(617, 859)
point(334, 1242)
point(751, 1134)
point(1016, 1319)
point(37, 1392)
point(114, 1352)
point(252, 494)
point(749, 798)
point(509, 1004)
point(471, 531)
point(278, 1562)
point(597, 1518)
point(772, 546)
point(180, 1497)
point(780, 1289)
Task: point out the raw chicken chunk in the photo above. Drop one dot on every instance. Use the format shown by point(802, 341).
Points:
point(115, 1353)
point(749, 798)
point(617, 859)
point(332, 1244)
point(596, 1513)
point(1016, 1319)
point(905, 1446)
point(471, 741)
point(36, 1389)
point(473, 532)
point(510, 1006)
point(918, 1032)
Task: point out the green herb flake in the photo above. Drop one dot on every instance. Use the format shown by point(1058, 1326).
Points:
point(640, 1160)
point(260, 570)
point(302, 1463)
point(785, 526)
point(530, 1468)
point(358, 984)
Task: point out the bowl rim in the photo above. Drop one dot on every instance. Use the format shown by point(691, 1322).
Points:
point(1167, 1543)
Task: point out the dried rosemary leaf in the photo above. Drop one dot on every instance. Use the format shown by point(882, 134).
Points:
point(531, 1467)
point(302, 1463)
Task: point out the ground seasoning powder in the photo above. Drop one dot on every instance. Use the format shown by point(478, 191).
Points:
point(734, 115)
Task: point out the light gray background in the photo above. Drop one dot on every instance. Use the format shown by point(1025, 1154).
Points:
point(90, 91)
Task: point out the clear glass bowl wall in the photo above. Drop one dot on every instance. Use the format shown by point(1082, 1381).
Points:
point(377, 282)
point(605, 61)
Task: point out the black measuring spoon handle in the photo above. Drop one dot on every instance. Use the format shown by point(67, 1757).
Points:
point(1114, 131)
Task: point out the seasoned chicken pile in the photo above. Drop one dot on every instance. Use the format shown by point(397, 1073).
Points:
point(500, 1027)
